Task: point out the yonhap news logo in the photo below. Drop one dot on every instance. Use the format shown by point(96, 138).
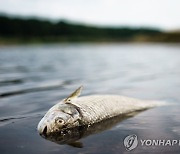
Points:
point(131, 142)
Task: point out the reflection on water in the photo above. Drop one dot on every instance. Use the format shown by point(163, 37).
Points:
point(73, 135)
point(33, 78)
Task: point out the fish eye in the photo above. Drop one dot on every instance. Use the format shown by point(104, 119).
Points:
point(68, 100)
point(59, 120)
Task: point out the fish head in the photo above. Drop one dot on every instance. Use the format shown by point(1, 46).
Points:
point(59, 117)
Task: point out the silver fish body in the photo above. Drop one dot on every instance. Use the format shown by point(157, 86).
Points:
point(95, 108)
point(76, 111)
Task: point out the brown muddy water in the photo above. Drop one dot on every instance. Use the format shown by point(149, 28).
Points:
point(35, 77)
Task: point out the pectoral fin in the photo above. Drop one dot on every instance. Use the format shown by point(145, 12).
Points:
point(74, 95)
point(76, 144)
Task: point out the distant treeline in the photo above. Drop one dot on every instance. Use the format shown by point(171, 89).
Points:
point(14, 28)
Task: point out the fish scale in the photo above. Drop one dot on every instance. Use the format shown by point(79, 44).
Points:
point(95, 108)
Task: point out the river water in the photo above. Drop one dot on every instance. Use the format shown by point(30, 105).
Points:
point(35, 77)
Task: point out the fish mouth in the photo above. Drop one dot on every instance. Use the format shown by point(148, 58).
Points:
point(44, 132)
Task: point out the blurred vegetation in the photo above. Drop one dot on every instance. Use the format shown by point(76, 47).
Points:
point(20, 30)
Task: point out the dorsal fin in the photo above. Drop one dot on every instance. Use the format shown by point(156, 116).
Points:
point(74, 95)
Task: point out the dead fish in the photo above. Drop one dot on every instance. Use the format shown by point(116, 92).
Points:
point(76, 111)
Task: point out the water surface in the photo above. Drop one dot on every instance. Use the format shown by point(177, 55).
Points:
point(35, 77)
